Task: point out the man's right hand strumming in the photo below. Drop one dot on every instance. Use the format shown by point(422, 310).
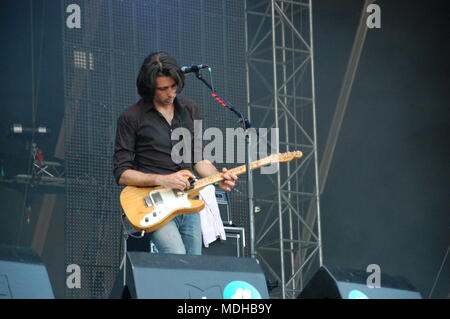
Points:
point(176, 180)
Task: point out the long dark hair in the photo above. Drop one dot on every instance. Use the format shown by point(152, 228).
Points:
point(155, 65)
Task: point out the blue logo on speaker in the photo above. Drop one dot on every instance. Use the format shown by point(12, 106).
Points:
point(240, 290)
point(356, 294)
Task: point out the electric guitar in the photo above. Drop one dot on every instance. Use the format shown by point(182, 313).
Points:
point(150, 208)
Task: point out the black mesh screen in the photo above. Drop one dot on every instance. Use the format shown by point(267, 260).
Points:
point(101, 62)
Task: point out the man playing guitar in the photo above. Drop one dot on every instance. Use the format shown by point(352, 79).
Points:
point(143, 147)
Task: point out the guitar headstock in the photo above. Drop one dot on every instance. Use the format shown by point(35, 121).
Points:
point(289, 156)
point(285, 157)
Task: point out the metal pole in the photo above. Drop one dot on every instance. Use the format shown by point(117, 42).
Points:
point(250, 195)
point(275, 91)
point(248, 153)
point(316, 162)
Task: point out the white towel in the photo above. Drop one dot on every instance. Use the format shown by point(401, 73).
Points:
point(211, 222)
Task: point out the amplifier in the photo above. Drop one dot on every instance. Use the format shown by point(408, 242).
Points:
point(233, 246)
point(223, 202)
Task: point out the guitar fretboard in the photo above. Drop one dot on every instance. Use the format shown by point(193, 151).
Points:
point(237, 170)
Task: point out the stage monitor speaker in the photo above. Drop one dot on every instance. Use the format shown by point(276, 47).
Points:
point(233, 245)
point(170, 276)
point(22, 274)
point(333, 282)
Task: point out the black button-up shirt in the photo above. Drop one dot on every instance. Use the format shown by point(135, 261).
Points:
point(143, 138)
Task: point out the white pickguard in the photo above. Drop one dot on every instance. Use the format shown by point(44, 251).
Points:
point(163, 208)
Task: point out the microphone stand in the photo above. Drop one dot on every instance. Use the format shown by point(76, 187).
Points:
point(246, 125)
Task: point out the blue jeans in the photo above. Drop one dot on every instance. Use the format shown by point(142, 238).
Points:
point(182, 235)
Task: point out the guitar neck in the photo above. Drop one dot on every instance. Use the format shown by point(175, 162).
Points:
point(237, 170)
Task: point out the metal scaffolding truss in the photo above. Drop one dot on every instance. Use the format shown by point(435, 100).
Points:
point(280, 94)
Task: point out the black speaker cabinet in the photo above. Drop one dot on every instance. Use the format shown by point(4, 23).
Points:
point(333, 282)
point(233, 245)
point(22, 275)
point(170, 276)
point(223, 201)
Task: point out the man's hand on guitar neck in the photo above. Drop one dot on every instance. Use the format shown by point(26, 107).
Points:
point(229, 180)
point(206, 168)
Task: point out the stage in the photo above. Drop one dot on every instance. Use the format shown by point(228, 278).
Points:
point(333, 114)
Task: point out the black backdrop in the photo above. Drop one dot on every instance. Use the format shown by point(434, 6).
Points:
point(385, 200)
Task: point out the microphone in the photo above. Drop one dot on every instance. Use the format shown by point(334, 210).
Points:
point(193, 68)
